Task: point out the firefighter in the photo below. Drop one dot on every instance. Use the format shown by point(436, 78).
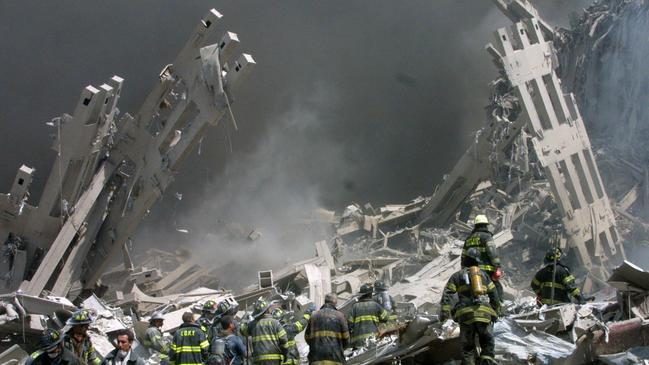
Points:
point(190, 345)
point(123, 355)
point(476, 309)
point(77, 339)
point(554, 284)
point(327, 334)
point(269, 340)
point(364, 317)
point(482, 239)
point(223, 309)
point(205, 320)
point(154, 340)
point(293, 328)
point(51, 351)
point(382, 297)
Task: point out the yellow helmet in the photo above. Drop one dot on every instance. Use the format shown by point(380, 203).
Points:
point(480, 219)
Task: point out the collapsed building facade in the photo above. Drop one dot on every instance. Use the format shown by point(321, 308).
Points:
point(531, 169)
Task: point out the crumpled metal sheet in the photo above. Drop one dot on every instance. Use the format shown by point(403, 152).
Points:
point(515, 345)
point(636, 355)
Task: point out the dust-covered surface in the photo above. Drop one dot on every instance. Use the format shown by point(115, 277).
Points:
point(259, 216)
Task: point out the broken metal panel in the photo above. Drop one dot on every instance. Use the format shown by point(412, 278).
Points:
point(198, 100)
point(13, 356)
point(109, 171)
point(560, 142)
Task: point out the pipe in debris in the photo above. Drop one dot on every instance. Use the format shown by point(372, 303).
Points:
point(622, 336)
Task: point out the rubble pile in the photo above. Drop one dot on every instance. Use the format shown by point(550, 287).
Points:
point(531, 171)
point(602, 60)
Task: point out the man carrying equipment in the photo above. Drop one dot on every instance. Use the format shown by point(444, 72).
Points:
point(482, 239)
point(269, 340)
point(327, 334)
point(190, 345)
point(77, 339)
point(154, 340)
point(52, 352)
point(364, 317)
point(293, 328)
point(554, 284)
point(476, 309)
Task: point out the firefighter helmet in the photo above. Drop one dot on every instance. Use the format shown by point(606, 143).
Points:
point(473, 254)
point(380, 286)
point(209, 306)
point(79, 318)
point(553, 254)
point(50, 339)
point(278, 314)
point(260, 307)
point(225, 308)
point(366, 289)
point(480, 219)
point(155, 316)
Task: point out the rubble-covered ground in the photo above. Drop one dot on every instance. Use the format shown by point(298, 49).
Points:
point(601, 59)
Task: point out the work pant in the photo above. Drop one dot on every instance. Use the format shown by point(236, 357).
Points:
point(499, 289)
point(485, 334)
point(292, 357)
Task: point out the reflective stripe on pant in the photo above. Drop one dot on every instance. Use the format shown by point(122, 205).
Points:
point(468, 333)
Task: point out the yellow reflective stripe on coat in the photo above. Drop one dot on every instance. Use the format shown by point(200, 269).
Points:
point(261, 338)
point(36, 354)
point(451, 286)
point(474, 309)
point(488, 268)
point(575, 292)
point(291, 343)
point(384, 315)
point(205, 344)
point(299, 326)
point(96, 361)
point(446, 308)
point(549, 284)
point(180, 349)
point(268, 357)
point(568, 279)
point(369, 317)
point(463, 288)
point(491, 286)
point(535, 281)
point(335, 334)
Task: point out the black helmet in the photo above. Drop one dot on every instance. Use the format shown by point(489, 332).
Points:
point(260, 307)
point(278, 314)
point(49, 339)
point(366, 289)
point(472, 254)
point(380, 286)
point(79, 317)
point(209, 306)
point(225, 307)
point(553, 254)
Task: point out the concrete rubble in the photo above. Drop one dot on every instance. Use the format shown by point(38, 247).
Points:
point(531, 169)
